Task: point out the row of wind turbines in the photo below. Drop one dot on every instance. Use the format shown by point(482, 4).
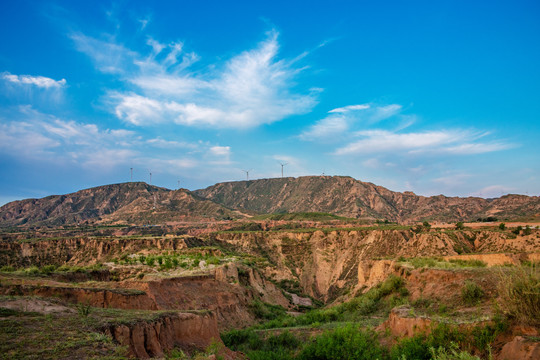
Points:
point(247, 171)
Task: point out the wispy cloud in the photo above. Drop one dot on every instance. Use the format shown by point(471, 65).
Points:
point(456, 142)
point(37, 81)
point(29, 135)
point(38, 136)
point(493, 191)
point(343, 119)
point(252, 88)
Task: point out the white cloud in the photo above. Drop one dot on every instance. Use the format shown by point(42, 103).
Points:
point(326, 128)
point(248, 90)
point(493, 191)
point(33, 135)
point(220, 150)
point(344, 118)
point(168, 144)
point(108, 56)
point(350, 108)
point(456, 142)
point(38, 81)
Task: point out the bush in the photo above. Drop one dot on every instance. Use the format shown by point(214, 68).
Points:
point(48, 269)
point(443, 335)
point(460, 225)
point(266, 311)
point(411, 348)
point(502, 226)
point(451, 354)
point(283, 340)
point(241, 340)
point(471, 293)
point(519, 291)
point(344, 343)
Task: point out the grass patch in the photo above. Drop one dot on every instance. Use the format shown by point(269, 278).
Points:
point(471, 293)
point(519, 290)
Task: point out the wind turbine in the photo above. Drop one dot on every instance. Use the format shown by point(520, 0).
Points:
point(150, 172)
point(247, 173)
point(131, 174)
point(282, 165)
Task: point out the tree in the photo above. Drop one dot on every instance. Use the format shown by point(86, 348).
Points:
point(502, 226)
point(460, 225)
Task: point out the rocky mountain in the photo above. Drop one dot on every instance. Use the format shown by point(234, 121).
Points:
point(140, 203)
point(135, 203)
point(343, 195)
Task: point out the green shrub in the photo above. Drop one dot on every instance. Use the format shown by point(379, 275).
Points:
point(241, 340)
point(33, 270)
point(348, 342)
point(48, 269)
point(411, 348)
point(471, 293)
point(266, 311)
point(443, 335)
point(283, 340)
point(7, 268)
point(460, 225)
point(502, 226)
point(451, 353)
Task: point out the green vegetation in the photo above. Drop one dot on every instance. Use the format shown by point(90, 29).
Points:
point(352, 341)
point(170, 260)
point(379, 299)
point(471, 293)
point(519, 290)
point(349, 342)
point(47, 270)
point(440, 263)
point(30, 335)
point(303, 216)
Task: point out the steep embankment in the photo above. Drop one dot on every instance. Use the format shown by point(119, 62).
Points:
point(346, 196)
point(133, 203)
point(83, 250)
point(329, 264)
point(146, 339)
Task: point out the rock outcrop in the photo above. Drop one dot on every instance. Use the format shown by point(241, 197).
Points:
point(190, 331)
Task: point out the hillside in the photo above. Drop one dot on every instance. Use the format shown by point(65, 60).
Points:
point(140, 203)
point(346, 196)
point(136, 203)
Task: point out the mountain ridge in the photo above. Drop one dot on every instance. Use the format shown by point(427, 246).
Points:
point(346, 196)
point(141, 203)
point(131, 202)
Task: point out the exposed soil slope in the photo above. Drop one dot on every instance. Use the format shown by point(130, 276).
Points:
point(328, 264)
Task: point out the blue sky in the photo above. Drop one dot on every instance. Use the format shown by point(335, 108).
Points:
point(427, 96)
